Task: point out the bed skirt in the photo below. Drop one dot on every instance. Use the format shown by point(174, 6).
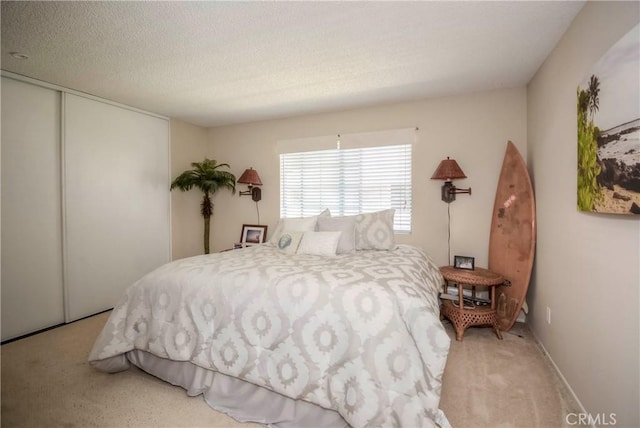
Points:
point(243, 401)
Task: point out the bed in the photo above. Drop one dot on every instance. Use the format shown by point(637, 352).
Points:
point(290, 340)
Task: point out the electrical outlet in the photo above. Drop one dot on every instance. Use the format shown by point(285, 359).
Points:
point(548, 315)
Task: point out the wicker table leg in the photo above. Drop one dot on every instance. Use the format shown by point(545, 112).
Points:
point(497, 330)
point(459, 332)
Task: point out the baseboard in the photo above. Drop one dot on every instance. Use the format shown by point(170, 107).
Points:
point(33, 333)
point(564, 380)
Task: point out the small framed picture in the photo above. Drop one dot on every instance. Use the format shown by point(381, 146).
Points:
point(464, 262)
point(253, 234)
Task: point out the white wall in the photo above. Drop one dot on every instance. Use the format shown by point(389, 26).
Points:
point(473, 129)
point(587, 264)
point(189, 144)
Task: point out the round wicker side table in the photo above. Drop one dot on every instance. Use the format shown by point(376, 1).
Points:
point(462, 317)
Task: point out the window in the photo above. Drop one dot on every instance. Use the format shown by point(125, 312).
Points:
point(348, 181)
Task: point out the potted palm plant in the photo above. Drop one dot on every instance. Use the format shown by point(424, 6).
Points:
point(207, 177)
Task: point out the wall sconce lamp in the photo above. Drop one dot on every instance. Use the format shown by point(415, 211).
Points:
point(449, 170)
point(250, 176)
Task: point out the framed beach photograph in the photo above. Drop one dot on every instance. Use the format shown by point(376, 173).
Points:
point(464, 262)
point(253, 234)
point(608, 110)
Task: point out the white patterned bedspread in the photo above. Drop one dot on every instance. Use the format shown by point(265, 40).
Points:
point(358, 333)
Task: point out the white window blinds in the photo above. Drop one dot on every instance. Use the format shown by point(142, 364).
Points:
point(349, 181)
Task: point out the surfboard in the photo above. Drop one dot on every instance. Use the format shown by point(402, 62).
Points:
point(512, 239)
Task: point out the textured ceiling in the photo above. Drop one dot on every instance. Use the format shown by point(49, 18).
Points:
point(216, 63)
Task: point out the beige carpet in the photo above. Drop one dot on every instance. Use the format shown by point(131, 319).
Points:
point(47, 382)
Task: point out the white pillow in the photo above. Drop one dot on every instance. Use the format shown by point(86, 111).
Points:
point(325, 213)
point(288, 242)
point(374, 231)
point(319, 243)
point(304, 224)
point(307, 224)
point(346, 225)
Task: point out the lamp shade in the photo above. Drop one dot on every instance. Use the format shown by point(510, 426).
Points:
point(250, 176)
point(448, 170)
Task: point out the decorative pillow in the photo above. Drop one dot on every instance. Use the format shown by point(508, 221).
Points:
point(306, 224)
point(288, 242)
point(346, 225)
point(374, 231)
point(325, 213)
point(319, 243)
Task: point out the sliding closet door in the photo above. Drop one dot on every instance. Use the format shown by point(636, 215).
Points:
point(32, 294)
point(116, 200)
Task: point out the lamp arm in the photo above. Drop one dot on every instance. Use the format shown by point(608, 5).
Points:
point(246, 192)
point(458, 190)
